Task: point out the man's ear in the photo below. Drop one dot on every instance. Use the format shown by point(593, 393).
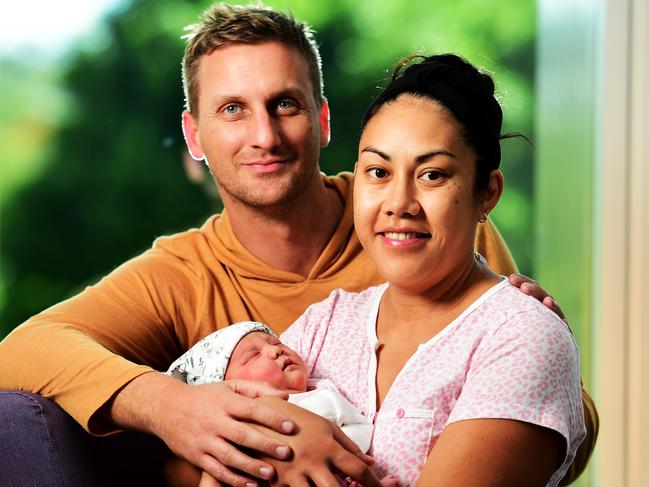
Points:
point(325, 128)
point(192, 137)
point(491, 195)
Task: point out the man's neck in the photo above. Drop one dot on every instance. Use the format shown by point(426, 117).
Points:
point(290, 238)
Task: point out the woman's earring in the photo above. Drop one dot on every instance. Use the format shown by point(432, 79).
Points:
point(483, 218)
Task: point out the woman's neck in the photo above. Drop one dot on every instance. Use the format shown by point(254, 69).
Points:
point(408, 318)
point(407, 308)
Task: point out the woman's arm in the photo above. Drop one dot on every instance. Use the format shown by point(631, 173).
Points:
point(518, 419)
point(585, 450)
point(490, 244)
point(493, 453)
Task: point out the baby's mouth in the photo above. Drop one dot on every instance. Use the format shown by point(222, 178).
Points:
point(286, 362)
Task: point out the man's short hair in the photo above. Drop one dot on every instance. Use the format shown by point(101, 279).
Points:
point(224, 24)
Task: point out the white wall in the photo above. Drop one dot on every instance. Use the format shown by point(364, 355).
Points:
point(593, 210)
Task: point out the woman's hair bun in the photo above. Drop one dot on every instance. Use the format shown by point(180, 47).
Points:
point(462, 89)
point(447, 66)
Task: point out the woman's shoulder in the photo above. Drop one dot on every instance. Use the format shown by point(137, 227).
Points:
point(509, 300)
point(516, 315)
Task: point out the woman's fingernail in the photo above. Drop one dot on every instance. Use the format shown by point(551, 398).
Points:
point(265, 472)
point(251, 484)
point(282, 451)
point(287, 426)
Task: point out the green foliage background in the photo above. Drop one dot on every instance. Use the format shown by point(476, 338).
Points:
point(92, 152)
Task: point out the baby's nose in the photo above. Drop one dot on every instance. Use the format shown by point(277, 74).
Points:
point(274, 351)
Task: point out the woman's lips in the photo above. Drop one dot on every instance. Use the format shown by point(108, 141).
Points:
point(404, 235)
point(404, 240)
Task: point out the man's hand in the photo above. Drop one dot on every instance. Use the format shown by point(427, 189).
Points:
point(532, 288)
point(201, 423)
point(320, 450)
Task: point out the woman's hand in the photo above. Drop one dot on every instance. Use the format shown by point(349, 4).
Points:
point(534, 289)
point(320, 450)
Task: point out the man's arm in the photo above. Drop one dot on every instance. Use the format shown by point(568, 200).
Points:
point(105, 344)
point(82, 350)
point(202, 423)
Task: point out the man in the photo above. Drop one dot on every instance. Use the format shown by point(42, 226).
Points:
point(256, 114)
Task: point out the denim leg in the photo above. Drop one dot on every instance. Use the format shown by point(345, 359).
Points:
point(42, 446)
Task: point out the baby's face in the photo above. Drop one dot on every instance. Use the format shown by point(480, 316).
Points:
point(262, 357)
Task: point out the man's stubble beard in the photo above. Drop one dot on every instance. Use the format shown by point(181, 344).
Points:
point(290, 194)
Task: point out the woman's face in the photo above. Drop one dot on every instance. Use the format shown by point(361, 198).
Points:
point(415, 208)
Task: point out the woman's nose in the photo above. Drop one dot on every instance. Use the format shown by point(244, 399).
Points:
point(401, 200)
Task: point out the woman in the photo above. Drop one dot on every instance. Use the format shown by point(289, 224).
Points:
point(468, 381)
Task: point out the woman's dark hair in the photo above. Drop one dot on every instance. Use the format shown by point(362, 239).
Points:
point(466, 92)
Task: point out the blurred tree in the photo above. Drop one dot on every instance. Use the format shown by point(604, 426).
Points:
point(112, 178)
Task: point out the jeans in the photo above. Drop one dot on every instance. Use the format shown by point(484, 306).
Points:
point(42, 446)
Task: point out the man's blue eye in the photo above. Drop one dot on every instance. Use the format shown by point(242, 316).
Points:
point(232, 109)
point(286, 104)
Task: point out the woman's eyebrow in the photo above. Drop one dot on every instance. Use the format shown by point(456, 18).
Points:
point(429, 155)
point(376, 151)
point(419, 159)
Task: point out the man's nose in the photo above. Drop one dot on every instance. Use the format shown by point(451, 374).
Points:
point(264, 131)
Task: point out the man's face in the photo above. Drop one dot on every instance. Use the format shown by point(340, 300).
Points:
point(262, 357)
point(258, 126)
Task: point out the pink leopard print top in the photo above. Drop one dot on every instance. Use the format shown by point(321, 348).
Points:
point(507, 356)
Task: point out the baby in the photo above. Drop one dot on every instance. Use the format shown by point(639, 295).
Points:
point(251, 351)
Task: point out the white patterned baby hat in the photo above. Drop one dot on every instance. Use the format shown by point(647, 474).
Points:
point(208, 359)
